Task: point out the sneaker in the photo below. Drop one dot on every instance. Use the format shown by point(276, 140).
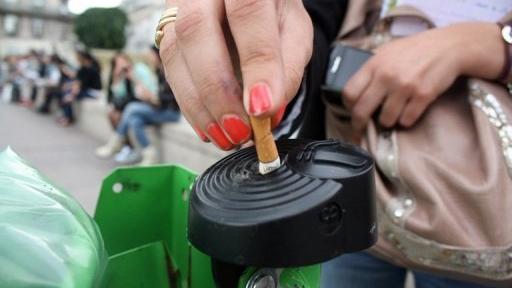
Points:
point(149, 156)
point(123, 153)
point(112, 147)
point(128, 156)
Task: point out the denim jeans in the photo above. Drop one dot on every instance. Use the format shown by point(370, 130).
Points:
point(67, 108)
point(362, 270)
point(137, 115)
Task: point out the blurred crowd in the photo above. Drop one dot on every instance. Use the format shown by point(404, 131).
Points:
point(137, 95)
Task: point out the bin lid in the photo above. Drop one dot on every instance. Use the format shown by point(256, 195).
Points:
point(293, 216)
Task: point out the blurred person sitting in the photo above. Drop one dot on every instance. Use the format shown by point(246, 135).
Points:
point(157, 107)
point(58, 73)
point(86, 84)
point(43, 77)
point(120, 93)
point(4, 74)
point(29, 67)
point(13, 80)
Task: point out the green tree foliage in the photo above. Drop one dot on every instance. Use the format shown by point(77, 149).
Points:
point(102, 28)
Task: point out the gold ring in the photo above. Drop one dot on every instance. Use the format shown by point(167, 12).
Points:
point(167, 17)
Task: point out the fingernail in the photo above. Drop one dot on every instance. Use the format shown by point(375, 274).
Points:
point(237, 130)
point(201, 134)
point(260, 99)
point(217, 136)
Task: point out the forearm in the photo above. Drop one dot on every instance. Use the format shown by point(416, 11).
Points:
point(479, 49)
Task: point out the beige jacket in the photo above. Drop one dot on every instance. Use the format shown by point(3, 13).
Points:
point(444, 186)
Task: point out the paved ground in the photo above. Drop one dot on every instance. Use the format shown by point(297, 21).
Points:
point(65, 155)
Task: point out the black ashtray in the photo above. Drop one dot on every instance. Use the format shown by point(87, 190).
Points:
point(319, 204)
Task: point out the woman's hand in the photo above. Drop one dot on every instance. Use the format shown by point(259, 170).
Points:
point(406, 75)
point(273, 40)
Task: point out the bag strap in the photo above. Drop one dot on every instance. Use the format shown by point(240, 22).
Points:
point(357, 15)
point(362, 16)
point(407, 11)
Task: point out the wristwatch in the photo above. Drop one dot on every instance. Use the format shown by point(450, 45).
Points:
point(506, 34)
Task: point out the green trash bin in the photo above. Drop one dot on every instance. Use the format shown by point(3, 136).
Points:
point(139, 238)
point(142, 214)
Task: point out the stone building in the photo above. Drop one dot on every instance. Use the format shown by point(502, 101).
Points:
point(143, 15)
point(35, 24)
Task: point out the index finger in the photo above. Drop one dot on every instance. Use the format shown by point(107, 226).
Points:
point(355, 86)
point(254, 25)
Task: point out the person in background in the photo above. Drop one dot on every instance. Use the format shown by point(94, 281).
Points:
point(120, 93)
point(4, 73)
point(41, 61)
point(48, 78)
point(58, 74)
point(57, 66)
point(15, 79)
point(151, 111)
point(86, 84)
point(30, 71)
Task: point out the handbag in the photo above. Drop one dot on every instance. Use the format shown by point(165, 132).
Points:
point(444, 186)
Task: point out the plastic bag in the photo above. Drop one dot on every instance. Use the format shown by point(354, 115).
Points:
point(46, 238)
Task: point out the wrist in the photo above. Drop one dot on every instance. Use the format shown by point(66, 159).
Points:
point(506, 35)
point(479, 49)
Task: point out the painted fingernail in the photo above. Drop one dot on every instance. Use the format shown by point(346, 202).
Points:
point(201, 135)
point(217, 136)
point(237, 130)
point(260, 100)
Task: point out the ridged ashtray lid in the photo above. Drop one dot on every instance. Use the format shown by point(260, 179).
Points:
point(239, 216)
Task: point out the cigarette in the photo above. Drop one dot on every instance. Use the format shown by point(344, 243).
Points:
point(266, 149)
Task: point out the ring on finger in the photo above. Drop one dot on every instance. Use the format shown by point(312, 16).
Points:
point(169, 16)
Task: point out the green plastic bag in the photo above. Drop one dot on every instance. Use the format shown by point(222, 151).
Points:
point(46, 238)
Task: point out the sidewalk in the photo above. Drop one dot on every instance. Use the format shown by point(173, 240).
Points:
point(65, 155)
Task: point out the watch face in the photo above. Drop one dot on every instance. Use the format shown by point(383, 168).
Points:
point(506, 32)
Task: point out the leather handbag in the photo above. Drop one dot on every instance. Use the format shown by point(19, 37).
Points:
point(444, 186)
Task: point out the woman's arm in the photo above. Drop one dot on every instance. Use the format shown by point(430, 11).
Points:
point(484, 56)
point(405, 76)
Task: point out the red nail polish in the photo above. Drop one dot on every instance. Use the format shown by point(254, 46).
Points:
point(260, 99)
point(201, 134)
point(237, 130)
point(217, 136)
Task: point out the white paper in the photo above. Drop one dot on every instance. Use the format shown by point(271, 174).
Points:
point(446, 12)
point(405, 26)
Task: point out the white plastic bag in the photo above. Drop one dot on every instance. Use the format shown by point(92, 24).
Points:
point(46, 238)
